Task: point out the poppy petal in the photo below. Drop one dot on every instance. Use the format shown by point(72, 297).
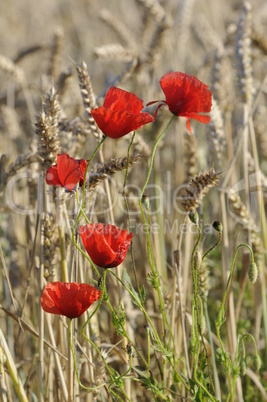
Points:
point(117, 99)
point(96, 246)
point(69, 299)
point(68, 171)
point(115, 124)
point(120, 114)
point(122, 250)
point(106, 245)
point(52, 176)
point(186, 96)
point(185, 93)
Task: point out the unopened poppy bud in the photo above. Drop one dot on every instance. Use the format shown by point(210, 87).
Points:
point(145, 202)
point(147, 329)
point(218, 226)
point(193, 216)
point(253, 272)
point(257, 362)
point(243, 367)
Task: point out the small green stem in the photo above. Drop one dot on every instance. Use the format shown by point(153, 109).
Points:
point(148, 352)
point(221, 318)
point(155, 334)
point(128, 215)
point(213, 247)
point(253, 341)
point(65, 276)
point(232, 268)
point(213, 365)
point(75, 365)
point(126, 335)
point(81, 212)
point(151, 260)
point(87, 167)
point(124, 374)
point(99, 301)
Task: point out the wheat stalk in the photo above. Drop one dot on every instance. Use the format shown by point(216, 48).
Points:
point(197, 188)
point(107, 169)
point(243, 53)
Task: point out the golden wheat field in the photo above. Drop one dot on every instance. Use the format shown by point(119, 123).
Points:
point(133, 200)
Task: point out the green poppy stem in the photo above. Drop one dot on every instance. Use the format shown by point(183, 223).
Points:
point(150, 252)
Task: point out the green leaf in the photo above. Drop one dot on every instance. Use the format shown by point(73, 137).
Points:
point(119, 320)
point(143, 294)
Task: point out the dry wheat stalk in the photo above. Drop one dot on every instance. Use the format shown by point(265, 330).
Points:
point(56, 50)
point(153, 7)
point(48, 131)
point(2, 172)
point(190, 156)
point(118, 27)
point(216, 133)
point(141, 146)
point(196, 189)
point(241, 212)
point(252, 170)
point(105, 170)
point(88, 97)
point(11, 68)
point(221, 79)
point(51, 109)
point(28, 51)
point(260, 129)
point(205, 33)
point(116, 52)
point(21, 162)
point(76, 126)
point(9, 122)
point(62, 81)
point(243, 53)
point(49, 244)
point(258, 36)
point(184, 17)
point(158, 25)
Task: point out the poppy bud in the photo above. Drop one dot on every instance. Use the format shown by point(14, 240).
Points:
point(147, 329)
point(257, 362)
point(218, 226)
point(146, 202)
point(193, 216)
point(243, 367)
point(253, 272)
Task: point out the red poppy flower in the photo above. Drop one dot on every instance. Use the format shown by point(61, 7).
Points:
point(120, 113)
point(186, 96)
point(69, 299)
point(107, 245)
point(67, 172)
